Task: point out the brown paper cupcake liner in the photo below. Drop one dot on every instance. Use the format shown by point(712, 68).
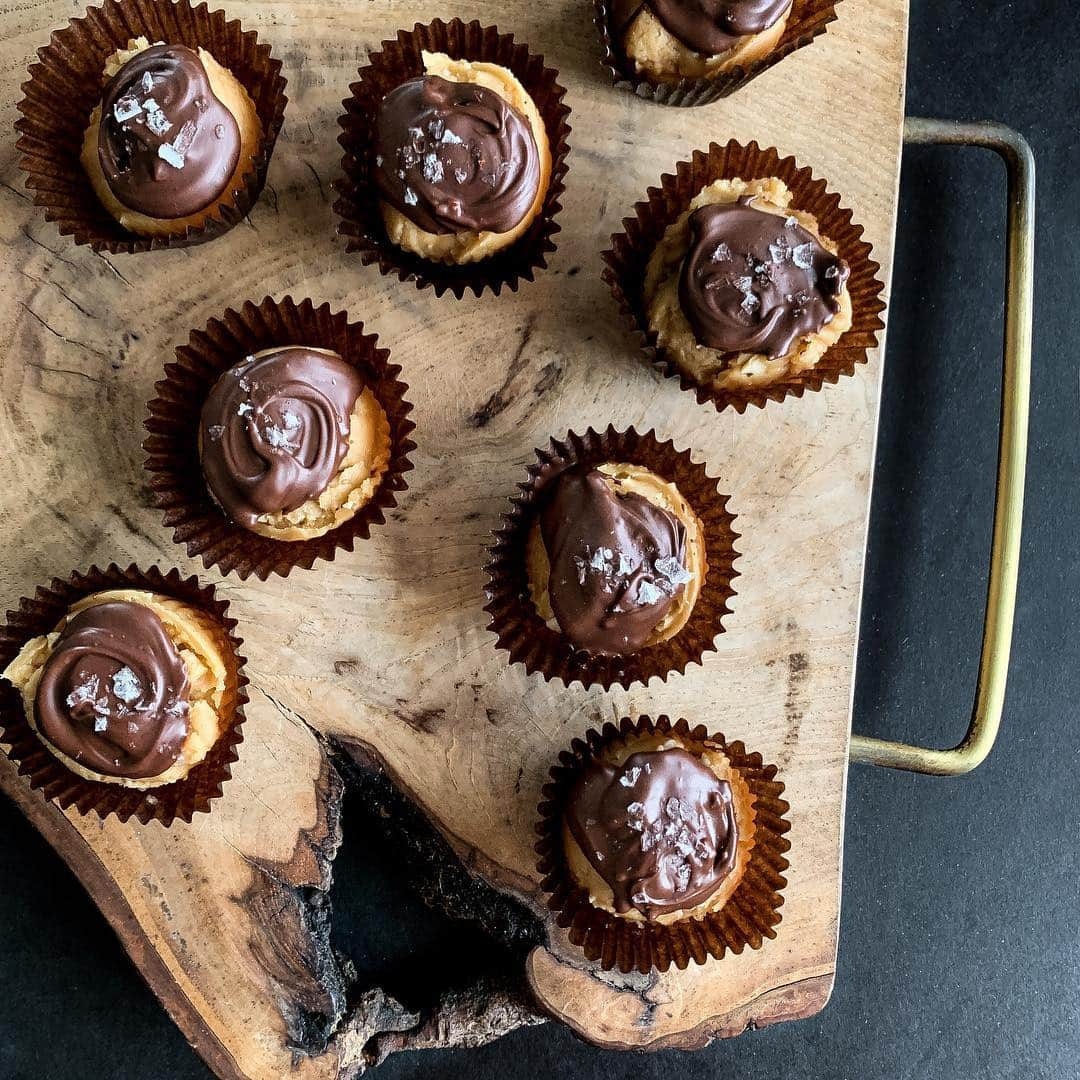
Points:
point(808, 20)
point(66, 83)
point(749, 916)
point(358, 204)
point(514, 618)
point(173, 463)
point(178, 801)
point(630, 251)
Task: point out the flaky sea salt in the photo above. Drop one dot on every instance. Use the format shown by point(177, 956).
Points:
point(802, 255)
point(673, 570)
point(126, 686)
point(244, 408)
point(450, 139)
point(185, 137)
point(780, 251)
point(158, 123)
point(147, 82)
point(215, 431)
point(125, 109)
point(721, 253)
point(432, 169)
point(410, 197)
point(101, 724)
point(277, 438)
point(169, 155)
point(84, 693)
point(649, 594)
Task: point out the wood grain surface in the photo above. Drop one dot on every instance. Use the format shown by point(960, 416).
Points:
point(384, 652)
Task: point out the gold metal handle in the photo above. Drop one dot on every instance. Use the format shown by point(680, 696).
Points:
point(1012, 456)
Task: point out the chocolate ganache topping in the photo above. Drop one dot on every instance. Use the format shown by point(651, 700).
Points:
point(617, 563)
point(167, 146)
point(756, 282)
point(113, 694)
point(659, 829)
point(714, 26)
point(275, 429)
point(454, 157)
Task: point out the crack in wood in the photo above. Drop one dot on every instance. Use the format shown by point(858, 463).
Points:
point(502, 398)
point(70, 341)
point(315, 988)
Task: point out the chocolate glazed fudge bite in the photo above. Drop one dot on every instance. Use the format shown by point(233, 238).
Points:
point(462, 160)
point(455, 156)
point(659, 829)
point(672, 39)
point(754, 283)
point(171, 140)
point(293, 442)
point(616, 560)
point(744, 290)
point(128, 689)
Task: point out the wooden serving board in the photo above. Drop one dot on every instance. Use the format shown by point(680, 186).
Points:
point(384, 653)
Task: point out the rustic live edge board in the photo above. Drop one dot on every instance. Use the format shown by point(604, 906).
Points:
point(383, 656)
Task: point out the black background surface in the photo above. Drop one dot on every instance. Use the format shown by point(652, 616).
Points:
point(959, 952)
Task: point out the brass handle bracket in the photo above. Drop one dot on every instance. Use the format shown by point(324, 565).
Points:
point(1012, 458)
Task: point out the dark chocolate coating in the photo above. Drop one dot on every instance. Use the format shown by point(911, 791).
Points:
point(756, 282)
point(275, 429)
point(714, 26)
point(455, 157)
point(167, 146)
point(617, 563)
point(114, 693)
point(659, 829)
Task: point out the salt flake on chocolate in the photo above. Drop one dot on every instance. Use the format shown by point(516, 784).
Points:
point(125, 109)
point(126, 686)
point(158, 122)
point(673, 570)
point(169, 155)
point(84, 693)
point(185, 137)
point(432, 169)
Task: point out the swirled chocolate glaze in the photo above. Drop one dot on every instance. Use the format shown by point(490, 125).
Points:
point(756, 282)
point(454, 157)
point(275, 429)
point(714, 26)
point(167, 146)
point(659, 829)
point(113, 694)
point(617, 563)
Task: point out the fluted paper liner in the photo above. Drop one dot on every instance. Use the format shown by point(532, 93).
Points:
point(750, 915)
point(178, 801)
point(514, 618)
point(630, 251)
point(808, 20)
point(358, 203)
point(175, 470)
point(66, 83)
